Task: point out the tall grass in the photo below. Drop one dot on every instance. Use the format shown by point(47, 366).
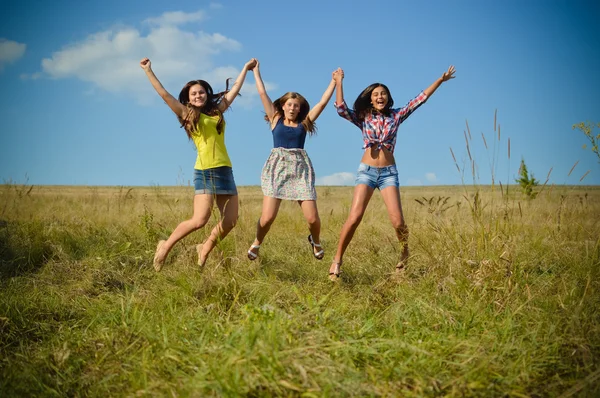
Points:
point(495, 303)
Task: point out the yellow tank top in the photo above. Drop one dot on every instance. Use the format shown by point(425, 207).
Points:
point(210, 144)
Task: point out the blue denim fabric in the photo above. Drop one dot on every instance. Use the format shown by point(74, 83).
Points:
point(377, 177)
point(217, 181)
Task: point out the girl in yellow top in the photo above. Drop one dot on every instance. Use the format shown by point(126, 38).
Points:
point(200, 113)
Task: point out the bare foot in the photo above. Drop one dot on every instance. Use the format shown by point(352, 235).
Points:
point(159, 256)
point(201, 260)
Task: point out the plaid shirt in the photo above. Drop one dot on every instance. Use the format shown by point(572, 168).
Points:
point(380, 130)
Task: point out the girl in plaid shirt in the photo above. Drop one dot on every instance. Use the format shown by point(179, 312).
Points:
point(379, 122)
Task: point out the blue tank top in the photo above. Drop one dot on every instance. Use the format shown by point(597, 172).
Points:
point(288, 137)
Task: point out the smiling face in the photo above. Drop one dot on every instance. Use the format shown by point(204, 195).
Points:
point(379, 98)
point(291, 109)
point(197, 95)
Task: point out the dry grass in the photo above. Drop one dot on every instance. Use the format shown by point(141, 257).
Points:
point(500, 297)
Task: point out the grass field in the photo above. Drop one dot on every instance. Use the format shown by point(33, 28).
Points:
point(501, 297)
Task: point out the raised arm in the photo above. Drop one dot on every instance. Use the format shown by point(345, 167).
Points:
point(339, 87)
point(403, 113)
point(262, 92)
point(176, 106)
point(449, 74)
point(316, 110)
point(237, 85)
point(340, 104)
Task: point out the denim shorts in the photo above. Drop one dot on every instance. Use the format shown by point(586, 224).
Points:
point(377, 177)
point(217, 181)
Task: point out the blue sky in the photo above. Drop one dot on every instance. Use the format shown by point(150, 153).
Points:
point(76, 109)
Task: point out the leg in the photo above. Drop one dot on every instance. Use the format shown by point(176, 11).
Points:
point(391, 197)
point(270, 208)
point(228, 208)
point(202, 207)
point(360, 200)
point(311, 213)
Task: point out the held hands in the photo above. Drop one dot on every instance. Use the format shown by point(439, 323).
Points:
point(251, 64)
point(337, 75)
point(145, 64)
point(449, 74)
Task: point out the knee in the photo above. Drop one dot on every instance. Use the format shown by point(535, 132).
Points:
point(313, 220)
point(229, 224)
point(354, 219)
point(266, 221)
point(198, 223)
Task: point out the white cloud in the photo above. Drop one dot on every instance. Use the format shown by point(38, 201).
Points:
point(413, 182)
point(431, 177)
point(10, 51)
point(177, 18)
point(109, 60)
point(343, 178)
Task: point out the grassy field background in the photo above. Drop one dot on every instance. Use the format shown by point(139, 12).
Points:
point(500, 298)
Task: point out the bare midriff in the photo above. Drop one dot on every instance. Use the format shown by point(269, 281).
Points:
point(378, 157)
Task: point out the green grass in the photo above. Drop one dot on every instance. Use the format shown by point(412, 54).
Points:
point(500, 297)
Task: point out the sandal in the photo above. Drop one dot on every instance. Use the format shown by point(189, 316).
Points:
point(251, 255)
point(321, 253)
point(335, 276)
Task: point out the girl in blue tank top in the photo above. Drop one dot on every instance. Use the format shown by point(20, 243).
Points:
point(288, 172)
point(288, 137)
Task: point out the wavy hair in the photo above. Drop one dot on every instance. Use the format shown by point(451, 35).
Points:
point(363, 105)
point(210, 107)
point(309, 125)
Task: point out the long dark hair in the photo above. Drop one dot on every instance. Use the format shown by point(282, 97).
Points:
point(302, 117)
point(363, 105)
point(210, 107)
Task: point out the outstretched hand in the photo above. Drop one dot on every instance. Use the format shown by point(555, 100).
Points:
point(145, 64)
point(449, 74)
point(338, 75)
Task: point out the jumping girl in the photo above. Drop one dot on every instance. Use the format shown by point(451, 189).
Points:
point(373, 114)
point(200, 113)
point(288, 173)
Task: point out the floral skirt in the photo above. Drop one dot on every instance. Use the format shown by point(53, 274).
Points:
point(288, 174)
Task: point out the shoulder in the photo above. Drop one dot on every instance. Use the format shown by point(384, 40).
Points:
point(277, 120)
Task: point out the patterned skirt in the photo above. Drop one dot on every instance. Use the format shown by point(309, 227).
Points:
point(288, 174)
